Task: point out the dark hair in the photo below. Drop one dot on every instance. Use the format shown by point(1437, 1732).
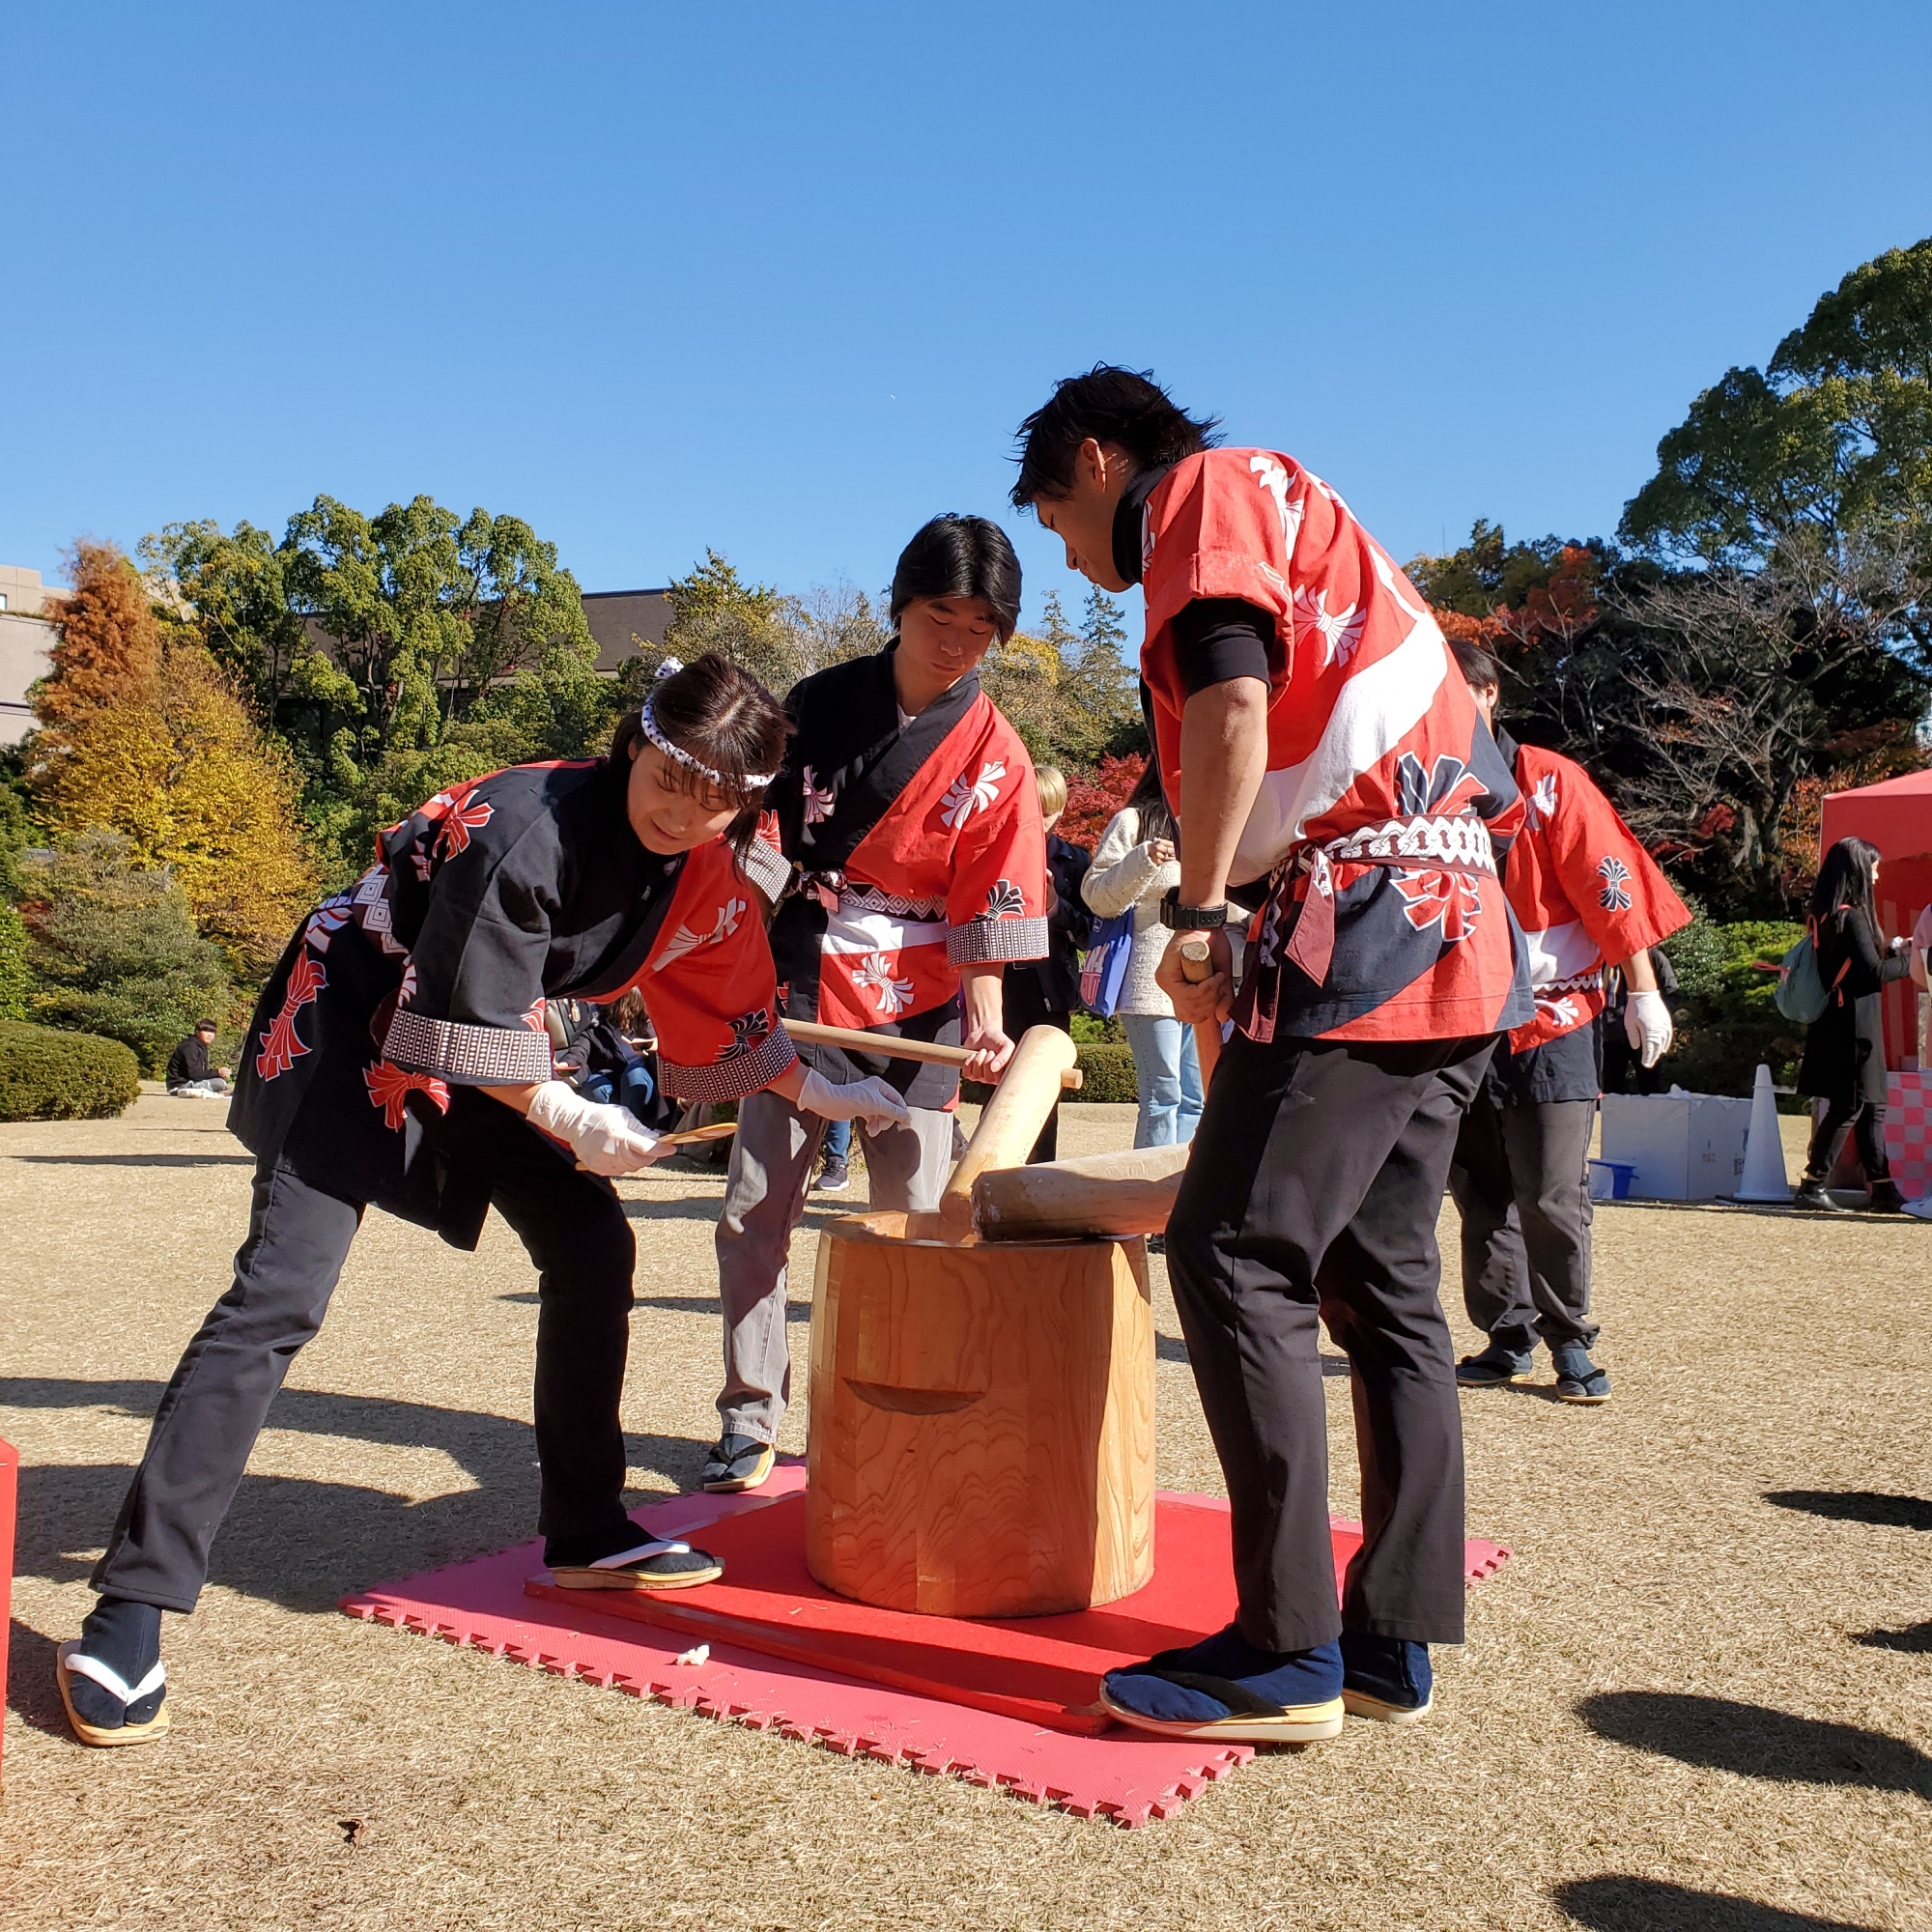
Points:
point(960, 556)
point(1110, 405)
point(1845, 881)
point(205, 1026)
point(1479, 666)
point(725, 719)
point(1149, 801)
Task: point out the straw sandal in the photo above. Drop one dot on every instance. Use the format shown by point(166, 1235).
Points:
point(71, 1661)
point(656, 1565)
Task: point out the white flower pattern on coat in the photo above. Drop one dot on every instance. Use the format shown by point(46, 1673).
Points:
point(1340, 630)
point(684, 940)
point(1273, 478)
point(964, 796)
point(1540, 807)
point(875, 975)
point(819, 802)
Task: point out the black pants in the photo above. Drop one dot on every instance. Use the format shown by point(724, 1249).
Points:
point(1866, 1120)
point(1025, 1005)
point(1520, 1180)
point(1313, 1190)
point(298, 1236)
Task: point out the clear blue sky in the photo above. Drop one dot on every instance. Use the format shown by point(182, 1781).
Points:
point(782, 279)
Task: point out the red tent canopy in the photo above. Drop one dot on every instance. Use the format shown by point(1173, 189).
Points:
point(1896, 816)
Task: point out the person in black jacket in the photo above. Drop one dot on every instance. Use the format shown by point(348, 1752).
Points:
point(1624, 1071)
point(1045, 993)
point(1844, 1050)
point(188, 1072)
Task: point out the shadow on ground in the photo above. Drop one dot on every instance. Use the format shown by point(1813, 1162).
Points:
point(1647, 1905)
point(1913, 1637)
point(1872, 1506)
point(1719, 1734)
point(298, 1541)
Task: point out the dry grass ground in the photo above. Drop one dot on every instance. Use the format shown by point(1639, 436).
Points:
point(1698, 1696)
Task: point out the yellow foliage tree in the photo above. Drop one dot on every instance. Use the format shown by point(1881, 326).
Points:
point(179, 767)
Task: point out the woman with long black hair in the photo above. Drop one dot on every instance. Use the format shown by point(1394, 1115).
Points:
point(1844, 1050)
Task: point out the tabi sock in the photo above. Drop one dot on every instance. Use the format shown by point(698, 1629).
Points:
point(1390, 1668)
point(1288, 1678)
point(127, 1637)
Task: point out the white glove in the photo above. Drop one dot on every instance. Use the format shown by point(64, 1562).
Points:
point(870, 1102)
point(1647, 1025)
point(605, 1138)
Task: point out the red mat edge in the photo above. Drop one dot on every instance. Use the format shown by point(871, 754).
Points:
point(676, 1514)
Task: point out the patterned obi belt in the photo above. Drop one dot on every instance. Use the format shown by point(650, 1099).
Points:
point(1409, 848)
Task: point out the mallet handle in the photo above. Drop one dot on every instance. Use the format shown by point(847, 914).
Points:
point(1196, 965)
point(890, 1046)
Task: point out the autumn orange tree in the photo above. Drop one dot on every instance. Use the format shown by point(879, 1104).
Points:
point(145, 735)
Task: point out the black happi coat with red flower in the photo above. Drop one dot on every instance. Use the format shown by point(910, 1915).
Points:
point(396, 1000)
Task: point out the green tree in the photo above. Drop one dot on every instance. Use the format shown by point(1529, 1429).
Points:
point(114, 950)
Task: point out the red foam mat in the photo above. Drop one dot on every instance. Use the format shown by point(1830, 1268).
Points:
point(1015, 1676)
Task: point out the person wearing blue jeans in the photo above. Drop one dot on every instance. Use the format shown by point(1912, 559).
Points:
point(1168, 1073)
point(834, 1168)
point(1133, 864)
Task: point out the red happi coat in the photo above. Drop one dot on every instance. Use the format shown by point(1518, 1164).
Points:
point(920, 850)
point(1585, 893)
point(428, 977)
point(1385, 799)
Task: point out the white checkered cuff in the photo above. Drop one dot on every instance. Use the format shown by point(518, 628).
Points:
point(768, 869)
point(731, 1079)
point(472, 1056)
point(981, 941)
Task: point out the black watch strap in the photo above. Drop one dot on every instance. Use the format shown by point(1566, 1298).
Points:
point(1179, 917)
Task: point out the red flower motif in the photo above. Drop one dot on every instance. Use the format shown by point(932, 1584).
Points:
point(1451, 900)
point(281, 1044)
point(534, 1018)
point(460, 818)
point(389, 1087)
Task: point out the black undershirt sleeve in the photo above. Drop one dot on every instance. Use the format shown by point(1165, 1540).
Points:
point(1219, 638)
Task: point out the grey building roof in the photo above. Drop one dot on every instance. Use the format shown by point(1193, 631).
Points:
point(622, 620)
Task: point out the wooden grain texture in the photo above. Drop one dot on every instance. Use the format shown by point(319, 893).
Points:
point(810, 1032)
point(982, 1422)
point(1117, 1195)
point(1010, 1122)
point(1197, 963)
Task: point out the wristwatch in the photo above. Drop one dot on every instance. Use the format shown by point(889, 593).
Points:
point(1189, 919)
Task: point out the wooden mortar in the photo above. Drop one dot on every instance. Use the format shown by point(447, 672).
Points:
point(981, 1437)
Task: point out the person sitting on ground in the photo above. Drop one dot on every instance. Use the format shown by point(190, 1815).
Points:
point(1134, 865)
point(1844, 1049)
point(1044, 992)
point(189, 1075)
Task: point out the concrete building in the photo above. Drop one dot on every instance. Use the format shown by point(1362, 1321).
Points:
point(624, 620)
point(26, 644)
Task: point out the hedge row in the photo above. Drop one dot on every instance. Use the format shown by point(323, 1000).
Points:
point(47, 1075)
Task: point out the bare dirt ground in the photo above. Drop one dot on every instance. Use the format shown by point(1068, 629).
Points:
point(1697, 1698)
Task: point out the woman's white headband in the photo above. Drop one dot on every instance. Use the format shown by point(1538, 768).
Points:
point(751, 781)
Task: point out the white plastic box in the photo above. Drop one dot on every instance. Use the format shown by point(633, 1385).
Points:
point(1685, 1147)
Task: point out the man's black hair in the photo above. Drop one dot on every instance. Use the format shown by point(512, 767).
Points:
point(960, 556)
point(1110, 405)
point(205, 1026)
point(1480, 669)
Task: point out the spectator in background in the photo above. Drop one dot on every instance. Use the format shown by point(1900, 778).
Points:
point(835, 1170)
point(1043, 992)
point(1844, 1050)
point(1133, 864)
point(1623, 1062)
point(189, 1075)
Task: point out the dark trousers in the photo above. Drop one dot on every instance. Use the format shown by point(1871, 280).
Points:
point(1023, 1005)
point(298, 1236)
point(1865, 1119)
point(1313, 1190)
point(1520, 1180)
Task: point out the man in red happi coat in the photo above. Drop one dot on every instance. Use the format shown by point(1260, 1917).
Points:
point(1314, 740)
point(1589, 898)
